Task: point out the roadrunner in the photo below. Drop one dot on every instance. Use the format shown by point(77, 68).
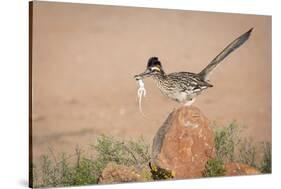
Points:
point(184, 87)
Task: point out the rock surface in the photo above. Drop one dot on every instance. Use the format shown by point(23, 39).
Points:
point(235, 169)
point(184, 143)
point(114, 173)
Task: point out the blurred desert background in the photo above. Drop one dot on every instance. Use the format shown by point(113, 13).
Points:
point(85, 56)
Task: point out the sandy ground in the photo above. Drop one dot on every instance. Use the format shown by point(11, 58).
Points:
point(85, 57)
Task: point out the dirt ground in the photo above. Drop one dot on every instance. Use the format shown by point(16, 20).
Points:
point(85, 57)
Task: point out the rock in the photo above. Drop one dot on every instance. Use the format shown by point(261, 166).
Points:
point(114, 173)
point(234, 169)
point(184, 143)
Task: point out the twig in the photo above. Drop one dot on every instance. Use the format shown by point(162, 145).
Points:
point(53, 154)
point(133, 155)
point(78, 153)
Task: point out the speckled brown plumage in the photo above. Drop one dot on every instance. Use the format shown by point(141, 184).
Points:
point(185, 86)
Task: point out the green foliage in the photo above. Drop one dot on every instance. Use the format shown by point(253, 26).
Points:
point(247, 153)
point(158, 173)
point(87, 170)
point(265, 166)
point(214, 168)
point(232, 147)
point(127, 153)
point(64, 174)
point(49, 172)
point(84, 173)
point(34, 177)
point(226, 139)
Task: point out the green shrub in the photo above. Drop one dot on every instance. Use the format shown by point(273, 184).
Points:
point(127, 153)
point(49, 172)
point(159, 173)
point(265, 166)
point(84, 173)
point(214, 168)
point(247, 153)
point(226, 139)
point(232, 147)
point(87, 170)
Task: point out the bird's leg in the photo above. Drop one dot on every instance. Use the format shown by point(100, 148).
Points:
point(188, 103)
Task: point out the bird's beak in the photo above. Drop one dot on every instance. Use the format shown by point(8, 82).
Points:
point(146, 73)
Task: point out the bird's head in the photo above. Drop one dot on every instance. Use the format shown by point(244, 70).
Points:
point(153, 67)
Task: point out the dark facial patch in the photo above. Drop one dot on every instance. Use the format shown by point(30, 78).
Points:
point(153, 61)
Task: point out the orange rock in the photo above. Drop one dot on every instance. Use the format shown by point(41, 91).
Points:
point(234, 169)
point(184, 143)
point(114, 173)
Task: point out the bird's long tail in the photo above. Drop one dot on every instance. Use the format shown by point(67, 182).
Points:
point(204, 74)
